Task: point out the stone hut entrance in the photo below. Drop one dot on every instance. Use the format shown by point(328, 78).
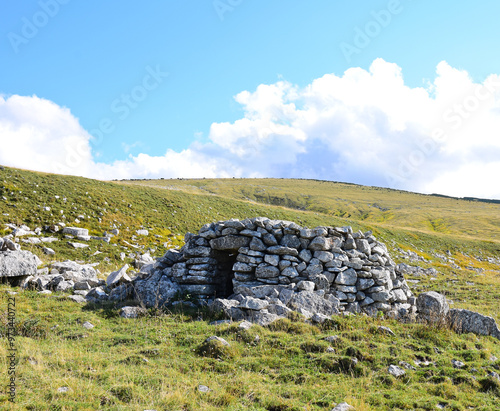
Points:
point(224, 272)
point(225, 251)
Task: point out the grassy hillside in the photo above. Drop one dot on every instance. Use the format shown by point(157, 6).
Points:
point(170, 208)
point(390, 208)
point(156, 362)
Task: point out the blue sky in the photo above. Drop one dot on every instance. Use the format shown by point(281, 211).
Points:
point(75, 62)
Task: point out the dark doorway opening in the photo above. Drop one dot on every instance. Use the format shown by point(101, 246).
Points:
point(13, 281)
point(224, 272)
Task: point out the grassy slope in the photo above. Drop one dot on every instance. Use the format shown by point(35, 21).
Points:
point(155, 363)
point(390, 208)
point(421, 223)
point(288, 368)
point(169, 213)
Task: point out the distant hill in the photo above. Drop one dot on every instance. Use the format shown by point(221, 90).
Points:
point(468, 217)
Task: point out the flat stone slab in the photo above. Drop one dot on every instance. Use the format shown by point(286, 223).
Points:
point(18, 263)
point(76, 231)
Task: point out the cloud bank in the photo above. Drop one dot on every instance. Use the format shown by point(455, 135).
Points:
point(365, 127)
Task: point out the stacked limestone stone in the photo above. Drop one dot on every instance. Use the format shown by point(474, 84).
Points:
point(280, 263)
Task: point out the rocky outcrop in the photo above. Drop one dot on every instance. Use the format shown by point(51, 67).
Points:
point(16, 264)
point(432, 307)
point(64, 276)
point(465, 321)
point(19, 263)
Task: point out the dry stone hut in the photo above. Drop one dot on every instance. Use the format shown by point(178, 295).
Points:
point(262, 266)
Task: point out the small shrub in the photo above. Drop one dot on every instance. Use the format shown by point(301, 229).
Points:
point(358, 335)
point(490, 384)
point(121, 340)
point(386, 380)
point(250, 336)
point(215, 349)
point(297, 328)
point(154, 352)
point(348, 365)
point(123, 393)
point(295, 316)
point(327, 364)
point(356, 353)
point(446, 389)
point(30, 328)
point(311, 347)
point(464, 378)
point(470, 355)
point(329, 325)
point(293, 377)
point(134, 360)
point(106, 401)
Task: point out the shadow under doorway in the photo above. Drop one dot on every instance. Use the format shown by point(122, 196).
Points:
point(224, 272)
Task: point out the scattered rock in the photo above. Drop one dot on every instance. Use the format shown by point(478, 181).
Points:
point(432, 306)
point(78, 245)
point(203, 388)
point(117, 277)
point(48, 251)
point(88, 325)
point(343, 406)
point(465, 321)
point(75, 231)
point(396, 371)
point(96, 294)
point(220, 322)
point(71, 270)
point(407, 365)
point(245, 325)
point(253, 303)
point(132, 312)
point(457, 364)
point(320, 318)
point(77, 298)
point(386, 330)
point(18, 263)
point(219, 339)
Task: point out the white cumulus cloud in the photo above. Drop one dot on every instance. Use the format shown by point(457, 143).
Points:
point(365, 126)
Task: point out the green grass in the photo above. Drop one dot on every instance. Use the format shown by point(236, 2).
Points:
point(157, 362)
point(370, 205)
